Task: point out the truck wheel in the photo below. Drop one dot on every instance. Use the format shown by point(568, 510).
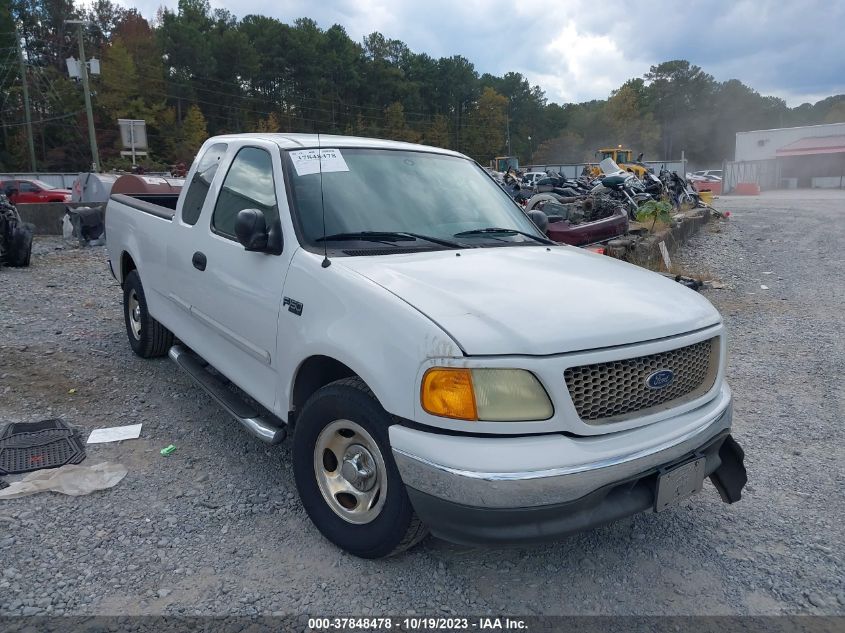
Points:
point(147, 337)
point(345, 473)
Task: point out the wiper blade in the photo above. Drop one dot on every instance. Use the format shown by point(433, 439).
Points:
point(369, 236)
point(435, 240)
point(501, 231)
point(388, 236)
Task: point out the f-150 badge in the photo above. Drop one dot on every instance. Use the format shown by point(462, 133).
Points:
point(293, 305)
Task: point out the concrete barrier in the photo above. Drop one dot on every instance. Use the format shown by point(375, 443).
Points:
point(47, 217)
point(645, 250)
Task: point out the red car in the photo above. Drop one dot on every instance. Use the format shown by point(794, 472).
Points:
point(28, 191)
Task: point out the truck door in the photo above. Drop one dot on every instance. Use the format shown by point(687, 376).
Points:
point(231, 295)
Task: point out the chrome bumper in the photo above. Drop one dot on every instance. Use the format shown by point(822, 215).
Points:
point(581, 472)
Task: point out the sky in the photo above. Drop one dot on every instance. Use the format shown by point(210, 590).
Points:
point(577, 50)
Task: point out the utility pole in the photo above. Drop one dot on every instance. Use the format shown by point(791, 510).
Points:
point(509, 126)
point(27, 114)
point(83, 72)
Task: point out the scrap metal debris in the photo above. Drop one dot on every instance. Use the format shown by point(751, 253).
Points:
point(689, 282)
point(87, 224)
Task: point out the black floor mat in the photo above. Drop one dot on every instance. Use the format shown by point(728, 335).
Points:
point(20, 428)
point(28, 446)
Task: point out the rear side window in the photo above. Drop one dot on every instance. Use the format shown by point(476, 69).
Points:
point(201, 182)
point(248, 185)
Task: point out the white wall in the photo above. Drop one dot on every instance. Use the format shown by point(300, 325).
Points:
point(763, 144)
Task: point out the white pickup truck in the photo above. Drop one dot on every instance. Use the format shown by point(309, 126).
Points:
point(440, 365)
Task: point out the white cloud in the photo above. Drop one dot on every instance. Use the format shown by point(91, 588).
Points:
point(577, 50)
point(585, 66)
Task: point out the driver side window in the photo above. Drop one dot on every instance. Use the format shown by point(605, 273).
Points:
point(248, 185)
point(201, 182)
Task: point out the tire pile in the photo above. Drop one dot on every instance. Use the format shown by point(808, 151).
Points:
point(15, 236)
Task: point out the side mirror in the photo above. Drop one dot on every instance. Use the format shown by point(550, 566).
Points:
point(540, 219)
point(251, 229)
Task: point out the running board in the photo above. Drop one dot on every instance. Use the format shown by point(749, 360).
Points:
point(267, 430)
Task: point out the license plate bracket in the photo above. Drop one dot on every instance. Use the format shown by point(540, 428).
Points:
point(678, 483)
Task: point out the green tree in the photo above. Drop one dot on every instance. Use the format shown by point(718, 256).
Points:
point(395, 127)
point(568, 147)
point(192, 134)
point(268, 125)
point(680, 94)
point(487, 126)
point(437, 133)
point(836, 114)
point(628, 121)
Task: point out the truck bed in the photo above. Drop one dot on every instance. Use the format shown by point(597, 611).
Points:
point(160, 205)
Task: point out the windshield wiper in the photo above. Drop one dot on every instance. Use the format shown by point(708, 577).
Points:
point(501, 231)
point(388, 236)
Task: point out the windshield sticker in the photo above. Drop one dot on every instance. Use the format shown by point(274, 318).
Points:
point(308, 161)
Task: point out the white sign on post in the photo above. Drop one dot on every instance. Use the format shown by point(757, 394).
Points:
point(309, 161)
point(665, 252)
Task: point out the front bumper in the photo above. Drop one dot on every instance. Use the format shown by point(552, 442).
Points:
point(595, 480)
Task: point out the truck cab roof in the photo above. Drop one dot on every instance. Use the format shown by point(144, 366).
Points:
point(295, 141)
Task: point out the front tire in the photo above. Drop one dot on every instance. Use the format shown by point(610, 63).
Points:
point(345, 473)
point(147, 337)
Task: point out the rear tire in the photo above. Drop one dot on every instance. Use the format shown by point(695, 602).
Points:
point(20, 246)
point(147, 337)
point(345, 473)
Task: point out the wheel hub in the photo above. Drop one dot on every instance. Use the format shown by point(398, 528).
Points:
point(350, 471)
point(135, 315)
point(359, 468)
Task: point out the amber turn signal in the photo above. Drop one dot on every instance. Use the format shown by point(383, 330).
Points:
point(448, 392)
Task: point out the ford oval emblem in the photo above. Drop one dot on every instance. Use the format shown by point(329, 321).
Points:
point(660, 379)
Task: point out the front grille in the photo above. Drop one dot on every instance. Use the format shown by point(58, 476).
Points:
point(613, 391)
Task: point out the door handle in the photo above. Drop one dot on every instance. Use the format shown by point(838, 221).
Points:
point(199, 261)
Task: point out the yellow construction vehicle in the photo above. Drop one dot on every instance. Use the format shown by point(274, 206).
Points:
point(505, 163)
point(622, 157)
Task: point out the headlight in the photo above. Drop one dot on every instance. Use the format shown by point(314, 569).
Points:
point(495, 395)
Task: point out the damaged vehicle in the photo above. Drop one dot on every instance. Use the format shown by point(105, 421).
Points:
point(440, 364)
point(580, 221)
point(15, 236)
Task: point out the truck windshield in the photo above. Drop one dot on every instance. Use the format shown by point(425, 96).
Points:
point(397, 191)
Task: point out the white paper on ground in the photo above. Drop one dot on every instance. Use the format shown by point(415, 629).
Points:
point(71, 480)
point(309, 161)
point(115, 434)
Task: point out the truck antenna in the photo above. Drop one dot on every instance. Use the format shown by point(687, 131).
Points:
point(326, 261)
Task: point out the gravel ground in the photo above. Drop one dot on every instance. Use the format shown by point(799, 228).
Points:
point(216, 528)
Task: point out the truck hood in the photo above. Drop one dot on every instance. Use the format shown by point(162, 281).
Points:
point(537, 301)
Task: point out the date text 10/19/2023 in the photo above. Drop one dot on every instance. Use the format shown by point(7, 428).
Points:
point(417, 623)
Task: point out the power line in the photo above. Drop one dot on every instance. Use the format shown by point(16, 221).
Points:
point(47, 120)
point(193, 86)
